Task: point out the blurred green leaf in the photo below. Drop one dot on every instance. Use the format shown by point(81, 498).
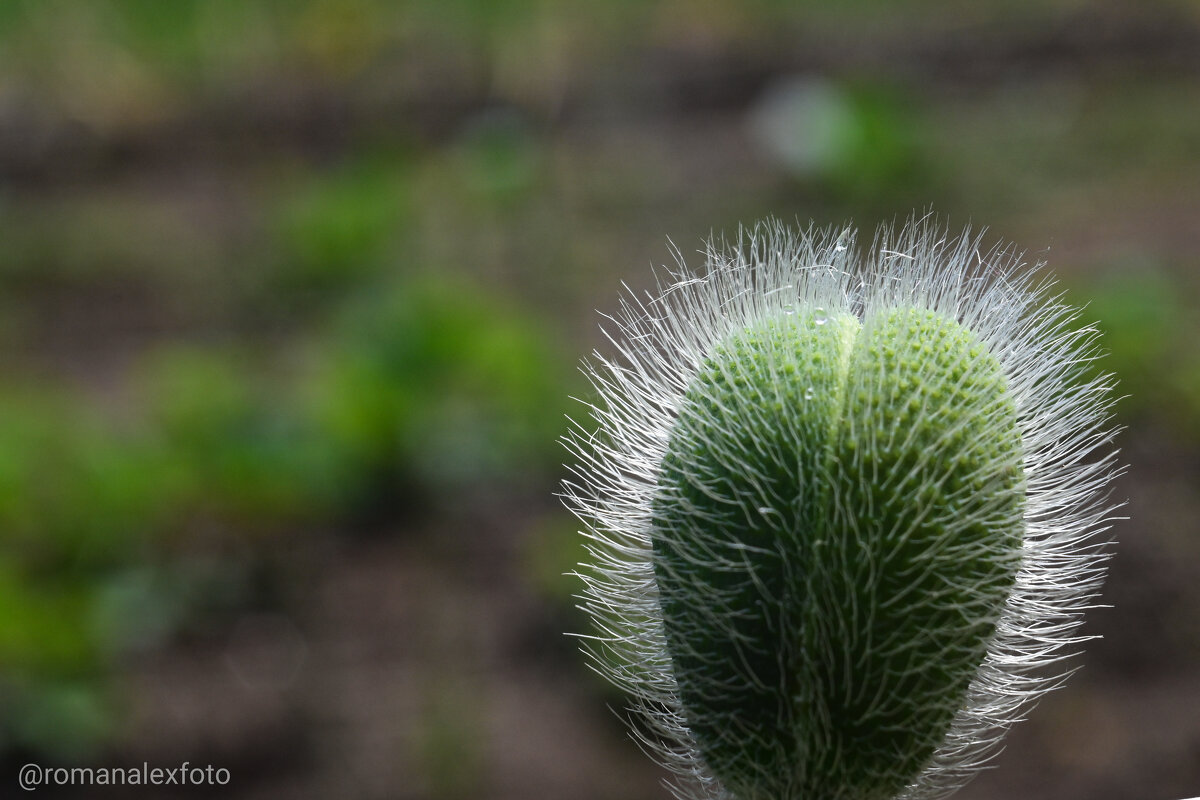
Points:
point(42, 631)
point(434, 381)
point(1148, 335)
point(338, 228)
point(857, 140)
point(61, 719)
point(240, 450)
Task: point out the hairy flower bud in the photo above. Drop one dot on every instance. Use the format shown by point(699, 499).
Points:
point(842, 514)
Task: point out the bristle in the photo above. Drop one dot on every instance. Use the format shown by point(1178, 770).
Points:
point(923, 351)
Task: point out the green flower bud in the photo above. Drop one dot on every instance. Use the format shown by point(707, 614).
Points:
point(842, 515)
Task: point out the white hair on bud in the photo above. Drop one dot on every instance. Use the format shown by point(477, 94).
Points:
point(660, 342)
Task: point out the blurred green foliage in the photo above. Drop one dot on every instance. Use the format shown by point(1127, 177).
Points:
point(859, 143)
point(498, 158)
point(71, 488)
point(399, 392)
point(66, 507)
point(417, 389)
point(438, 384)
point(338, 228)
point(1149, 333)
point(123, 61)
point(235, 443)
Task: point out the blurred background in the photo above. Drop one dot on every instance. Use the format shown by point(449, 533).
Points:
point(291, 298)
